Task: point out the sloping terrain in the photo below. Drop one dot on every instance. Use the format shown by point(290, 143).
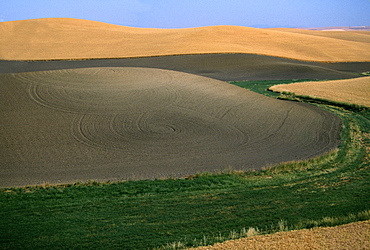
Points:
point(119, 123)
point(226, 67)
point(63, 38)
point(354, 91)
point(355, 36)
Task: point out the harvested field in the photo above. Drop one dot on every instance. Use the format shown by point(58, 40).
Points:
point(65, 38)
point(117, 123)
point(354, 91)
point(355, 36)
point(350, 236)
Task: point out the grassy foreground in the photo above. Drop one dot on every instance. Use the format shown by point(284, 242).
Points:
point(198, 210)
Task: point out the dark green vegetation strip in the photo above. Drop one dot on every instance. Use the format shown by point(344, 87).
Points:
point(262, 87)
point(329, 190)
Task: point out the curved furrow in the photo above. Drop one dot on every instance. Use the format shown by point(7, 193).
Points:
point(159, 132)
point(124, 122)
point(79, 95)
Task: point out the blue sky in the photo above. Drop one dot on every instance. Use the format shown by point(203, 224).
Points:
point(196, 13)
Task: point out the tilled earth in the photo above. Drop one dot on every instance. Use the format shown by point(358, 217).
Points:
point(225, 67)
point(119, 123)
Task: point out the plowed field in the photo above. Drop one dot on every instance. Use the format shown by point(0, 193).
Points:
point(118, 123)
point(225, 67)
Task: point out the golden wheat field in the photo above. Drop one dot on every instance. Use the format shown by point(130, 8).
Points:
point(350, 236)
point(354, 91)
point(65, 38)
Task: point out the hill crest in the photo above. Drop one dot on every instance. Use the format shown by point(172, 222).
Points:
point(67, 38)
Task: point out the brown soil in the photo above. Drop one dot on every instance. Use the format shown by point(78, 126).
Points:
point(353, 236)
point(118, 123)
point(226, 67)
point(63, 38)
point(355, 91)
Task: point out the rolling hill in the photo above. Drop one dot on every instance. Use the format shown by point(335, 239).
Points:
point(65, 38)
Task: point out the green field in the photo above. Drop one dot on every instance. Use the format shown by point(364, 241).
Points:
point(198, 210)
